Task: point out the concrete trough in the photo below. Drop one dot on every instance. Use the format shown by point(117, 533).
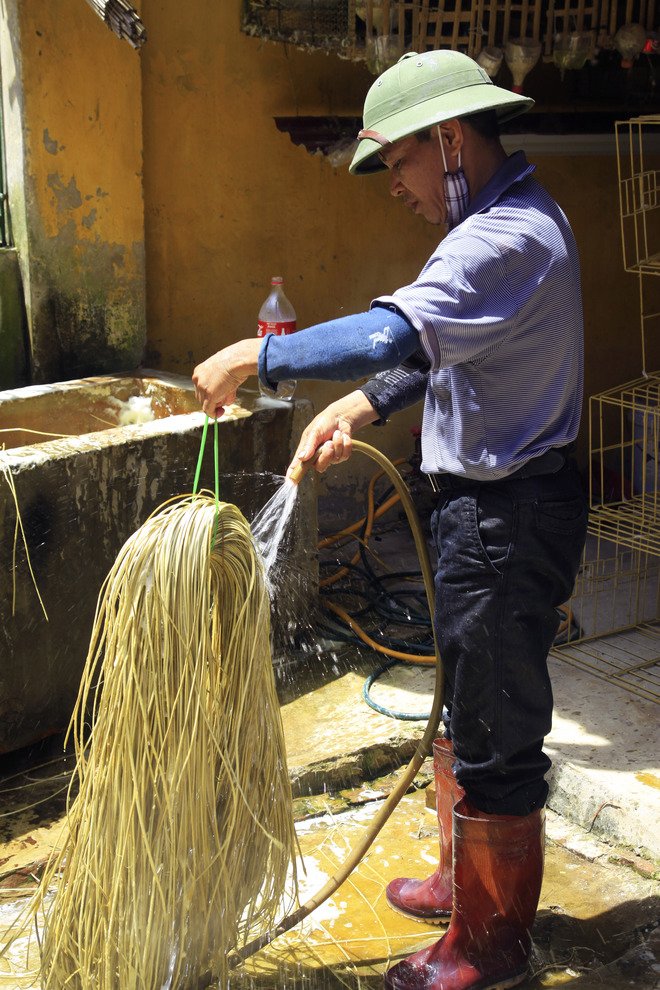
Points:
point(130, 442)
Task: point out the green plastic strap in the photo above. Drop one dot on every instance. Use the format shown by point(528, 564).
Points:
point(217, 483)
point(201, 456)
point(217, 471)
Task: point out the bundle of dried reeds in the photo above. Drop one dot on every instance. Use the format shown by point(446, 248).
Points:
point(181, 835)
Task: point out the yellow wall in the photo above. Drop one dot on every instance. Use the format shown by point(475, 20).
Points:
point(230, 200)
point(73, 120)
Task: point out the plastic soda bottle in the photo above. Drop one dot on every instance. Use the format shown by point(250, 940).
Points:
point(277, 316)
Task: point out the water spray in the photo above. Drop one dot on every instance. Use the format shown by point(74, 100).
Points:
point(424, 746)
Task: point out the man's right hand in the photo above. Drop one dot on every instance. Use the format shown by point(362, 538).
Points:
point(332, 431)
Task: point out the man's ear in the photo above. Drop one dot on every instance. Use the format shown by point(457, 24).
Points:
point(451, 133)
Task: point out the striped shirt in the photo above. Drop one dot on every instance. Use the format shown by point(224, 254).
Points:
point(498, 310)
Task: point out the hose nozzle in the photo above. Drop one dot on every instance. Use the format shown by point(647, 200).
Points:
point(297, 473)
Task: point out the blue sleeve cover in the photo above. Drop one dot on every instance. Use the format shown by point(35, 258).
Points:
point(346, 349)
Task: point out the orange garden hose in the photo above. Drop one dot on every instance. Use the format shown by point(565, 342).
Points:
point(366, 521)
point(380, 511)
point(328, 541)
point(388, 651)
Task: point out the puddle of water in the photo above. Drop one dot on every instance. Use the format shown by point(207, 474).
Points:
point(30, 415)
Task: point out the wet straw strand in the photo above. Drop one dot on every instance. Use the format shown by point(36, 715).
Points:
point(9, 478)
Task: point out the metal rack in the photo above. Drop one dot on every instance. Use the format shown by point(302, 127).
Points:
point(624, 440)
point(611, 626)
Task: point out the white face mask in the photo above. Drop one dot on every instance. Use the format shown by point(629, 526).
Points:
point(457, 193)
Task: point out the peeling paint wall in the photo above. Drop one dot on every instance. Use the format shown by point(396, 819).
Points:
point(72, 98)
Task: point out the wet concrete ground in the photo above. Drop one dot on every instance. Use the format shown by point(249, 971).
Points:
point(598, 923)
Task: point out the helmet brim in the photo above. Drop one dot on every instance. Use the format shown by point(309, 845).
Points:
point(437, 110)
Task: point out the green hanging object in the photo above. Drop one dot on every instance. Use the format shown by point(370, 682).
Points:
point(216, 470)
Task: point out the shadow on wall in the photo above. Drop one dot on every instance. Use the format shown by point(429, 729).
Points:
point(14, 345)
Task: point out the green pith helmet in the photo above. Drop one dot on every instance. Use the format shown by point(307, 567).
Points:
point(423, 90)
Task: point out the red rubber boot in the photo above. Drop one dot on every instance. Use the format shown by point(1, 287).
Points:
point(498, 870)
point(430, 900)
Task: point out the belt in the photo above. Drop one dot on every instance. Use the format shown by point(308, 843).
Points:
point(548, 463)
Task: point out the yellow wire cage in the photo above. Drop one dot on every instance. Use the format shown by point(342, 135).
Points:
point(611, 623)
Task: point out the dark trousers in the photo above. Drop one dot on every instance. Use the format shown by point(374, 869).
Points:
point(508, 555)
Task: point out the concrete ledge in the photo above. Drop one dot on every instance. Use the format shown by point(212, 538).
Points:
point(608, 805)
point(353, 769)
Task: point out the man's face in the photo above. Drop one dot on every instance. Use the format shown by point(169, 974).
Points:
point(417, 174)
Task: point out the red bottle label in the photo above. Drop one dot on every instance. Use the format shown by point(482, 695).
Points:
point(279, 329)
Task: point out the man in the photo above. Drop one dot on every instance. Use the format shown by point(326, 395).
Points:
point(490, 337)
